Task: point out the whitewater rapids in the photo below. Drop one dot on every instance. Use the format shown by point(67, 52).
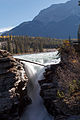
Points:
point(37, 110)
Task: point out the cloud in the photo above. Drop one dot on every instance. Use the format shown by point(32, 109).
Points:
point(5, 29)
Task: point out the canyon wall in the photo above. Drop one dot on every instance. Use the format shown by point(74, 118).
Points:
point(13, 87)
point(60, 88)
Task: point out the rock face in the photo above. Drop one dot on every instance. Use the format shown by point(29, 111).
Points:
point(60, 88)
point(13, 87)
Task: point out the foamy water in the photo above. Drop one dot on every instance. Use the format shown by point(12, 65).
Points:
point(37, 110)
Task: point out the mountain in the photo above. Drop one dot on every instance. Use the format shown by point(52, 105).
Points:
point(3, 33)
point(59, 12)
point(0, 33)
point(58, 20)
point(31, 28)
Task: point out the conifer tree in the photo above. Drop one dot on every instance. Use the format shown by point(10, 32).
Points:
point(79, 34)
point(9, 45)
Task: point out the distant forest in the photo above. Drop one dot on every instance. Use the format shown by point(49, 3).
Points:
point(25, 44)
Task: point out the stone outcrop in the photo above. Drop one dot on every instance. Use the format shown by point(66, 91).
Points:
point(13, 87)
point(60, 88)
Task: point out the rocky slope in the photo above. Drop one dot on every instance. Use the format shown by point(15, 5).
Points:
point(13, 87)
point(60, 88)
point(58, 12)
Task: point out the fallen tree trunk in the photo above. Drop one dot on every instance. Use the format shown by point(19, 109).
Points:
point(31, 62)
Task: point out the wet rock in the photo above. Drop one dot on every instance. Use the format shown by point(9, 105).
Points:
point(13, 87)
point(60, 88)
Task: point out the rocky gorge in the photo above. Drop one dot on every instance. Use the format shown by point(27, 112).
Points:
point(60, 88)
point(13, 87)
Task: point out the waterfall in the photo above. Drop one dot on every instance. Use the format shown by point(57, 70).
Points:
point(36, 110)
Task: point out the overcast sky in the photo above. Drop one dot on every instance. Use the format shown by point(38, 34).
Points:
point(14, 12)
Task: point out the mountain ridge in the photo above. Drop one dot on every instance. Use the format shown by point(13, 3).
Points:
point(59, 15)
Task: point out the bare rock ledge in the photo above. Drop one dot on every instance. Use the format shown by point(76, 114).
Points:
point(13, 87)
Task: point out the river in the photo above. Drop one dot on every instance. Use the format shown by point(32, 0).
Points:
point(37, 110)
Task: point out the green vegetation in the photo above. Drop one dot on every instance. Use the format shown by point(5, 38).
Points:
point(60, 94)
point(25, 44)
point(71, 88)
point(74, 86)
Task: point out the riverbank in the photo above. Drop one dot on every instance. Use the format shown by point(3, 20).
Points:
point(60, 88)
point(44, 51)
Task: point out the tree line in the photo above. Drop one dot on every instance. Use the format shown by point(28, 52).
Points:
point(25, 44)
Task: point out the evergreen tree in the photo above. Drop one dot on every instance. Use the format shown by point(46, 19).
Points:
point(9, 45)
point(79, 34)
point(41, 47)
point(70, 39)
